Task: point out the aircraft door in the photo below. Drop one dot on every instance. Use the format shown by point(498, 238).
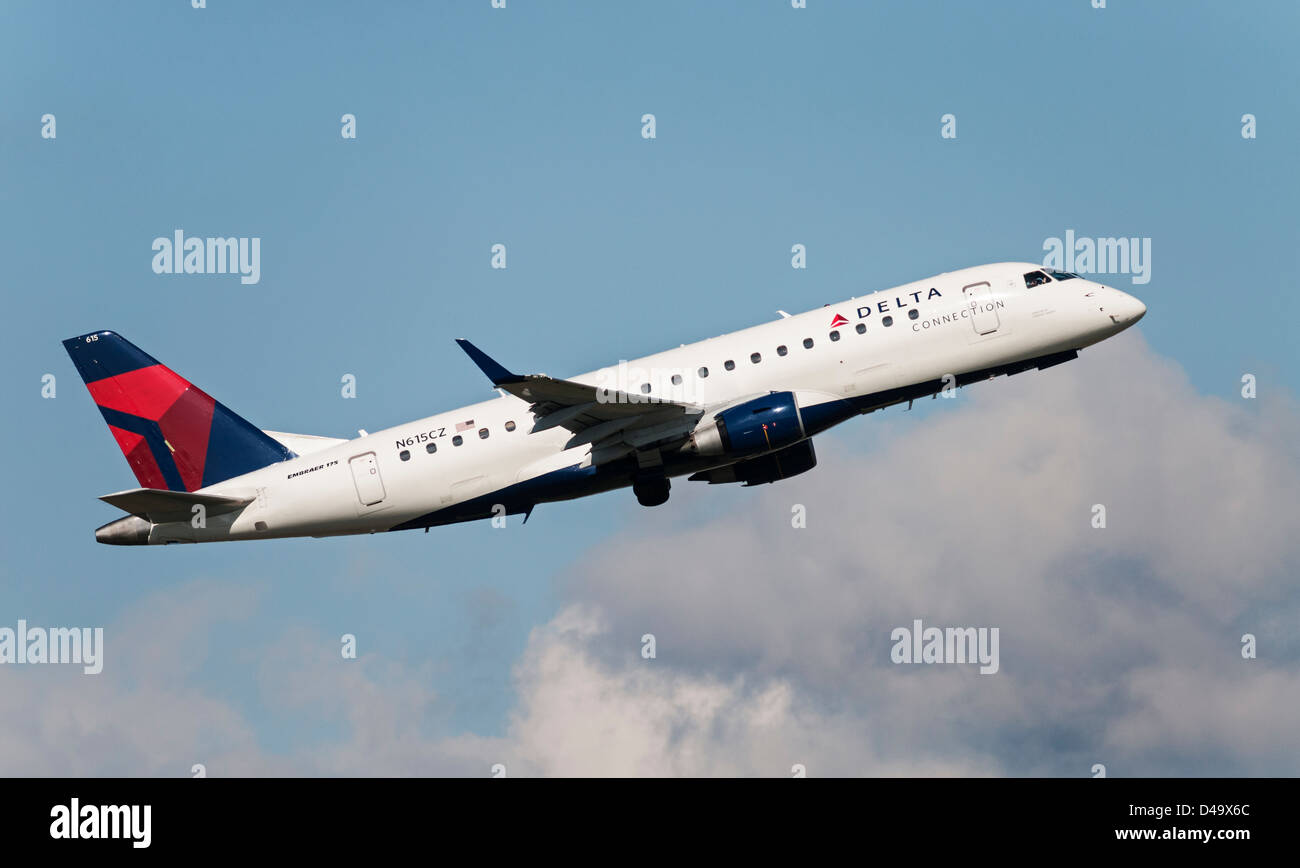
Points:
point(365, 475)
point(983, 313)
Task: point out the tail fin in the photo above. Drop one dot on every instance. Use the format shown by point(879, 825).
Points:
point(172, 433)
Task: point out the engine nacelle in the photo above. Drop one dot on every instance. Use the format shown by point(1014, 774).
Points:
point(759, 425)
point(782, 464)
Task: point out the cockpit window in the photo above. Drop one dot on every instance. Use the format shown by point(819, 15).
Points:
point(1036, 278)
point(1061, 275)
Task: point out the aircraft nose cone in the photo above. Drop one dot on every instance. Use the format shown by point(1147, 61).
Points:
point(1134, 309)
point(1123, 309)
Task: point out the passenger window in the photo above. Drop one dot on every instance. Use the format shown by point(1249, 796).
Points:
point(645, 388)
point(431, 448)
point(861, 328)
point(457, 440)
point(913, 313)
point(703, 372)
point(405, 454)
point(781, 350)
point(755, 358)
point(677, 379)
point(510, 426)
point(807, 343)
point(835, 335)
point(887, 321)
point(482, 433)
point(729, 365)
point(1036, 278)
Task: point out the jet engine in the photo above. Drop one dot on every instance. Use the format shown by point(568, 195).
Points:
point(782, 464)
point(754, 427)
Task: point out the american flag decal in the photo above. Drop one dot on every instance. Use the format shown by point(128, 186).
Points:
point(461, 426)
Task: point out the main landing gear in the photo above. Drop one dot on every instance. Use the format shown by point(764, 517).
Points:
point(651, 490)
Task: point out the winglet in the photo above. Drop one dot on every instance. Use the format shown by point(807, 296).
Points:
point(487, 364)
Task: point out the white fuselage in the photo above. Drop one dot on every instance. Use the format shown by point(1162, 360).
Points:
point(965, 321)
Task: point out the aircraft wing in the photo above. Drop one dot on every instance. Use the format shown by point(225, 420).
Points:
point(592, 413)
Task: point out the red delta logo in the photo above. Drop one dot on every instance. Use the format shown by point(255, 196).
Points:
point(838, 321)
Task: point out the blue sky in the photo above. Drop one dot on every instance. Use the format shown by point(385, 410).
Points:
point(522, 126)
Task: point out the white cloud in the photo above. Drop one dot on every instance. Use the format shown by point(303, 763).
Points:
point(142, 715)
point(578, 715)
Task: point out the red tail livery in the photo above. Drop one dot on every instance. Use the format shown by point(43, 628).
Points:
point(173, 434)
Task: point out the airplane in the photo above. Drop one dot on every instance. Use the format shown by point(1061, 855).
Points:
point(740, 408)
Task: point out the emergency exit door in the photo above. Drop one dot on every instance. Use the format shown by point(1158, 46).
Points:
point(365, 475)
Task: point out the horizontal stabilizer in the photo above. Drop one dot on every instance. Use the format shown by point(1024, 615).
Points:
point(158, 505)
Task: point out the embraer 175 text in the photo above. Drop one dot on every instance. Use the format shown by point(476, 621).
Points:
point(742, 407)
